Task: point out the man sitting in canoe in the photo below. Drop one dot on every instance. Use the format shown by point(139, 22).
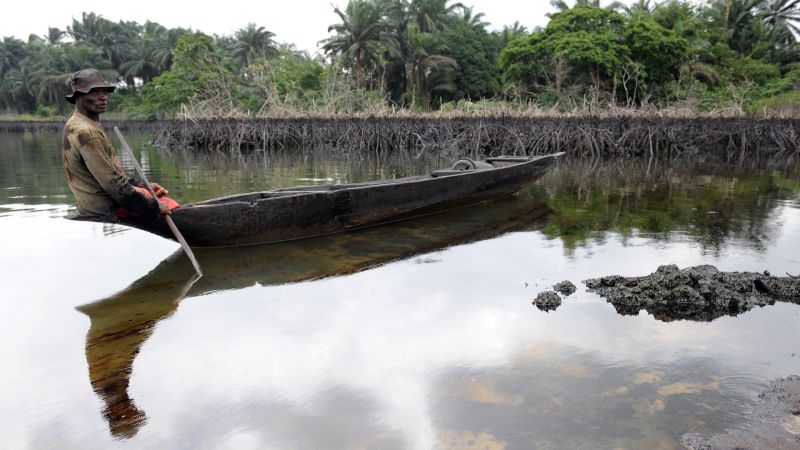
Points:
point(94, 174)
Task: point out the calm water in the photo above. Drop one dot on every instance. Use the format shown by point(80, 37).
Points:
point(414, 335)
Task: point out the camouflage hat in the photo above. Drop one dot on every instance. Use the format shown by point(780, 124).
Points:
point(84, 81)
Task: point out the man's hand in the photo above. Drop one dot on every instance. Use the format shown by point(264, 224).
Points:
point(159, 190)
point(163, 209)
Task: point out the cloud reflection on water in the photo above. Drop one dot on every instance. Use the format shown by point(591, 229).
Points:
point(404, 354)
point(385, 340)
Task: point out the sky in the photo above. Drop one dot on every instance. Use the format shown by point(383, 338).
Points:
point(301, 22)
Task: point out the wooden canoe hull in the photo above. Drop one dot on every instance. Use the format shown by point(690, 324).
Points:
point(295, 213)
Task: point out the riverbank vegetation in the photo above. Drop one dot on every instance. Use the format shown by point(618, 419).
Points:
point(387, 57)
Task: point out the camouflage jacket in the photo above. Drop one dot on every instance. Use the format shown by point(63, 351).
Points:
point(94, 173)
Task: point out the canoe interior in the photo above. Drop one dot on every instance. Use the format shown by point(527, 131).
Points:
point(254, 197)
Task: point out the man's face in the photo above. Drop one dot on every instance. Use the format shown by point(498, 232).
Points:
point(95, 102)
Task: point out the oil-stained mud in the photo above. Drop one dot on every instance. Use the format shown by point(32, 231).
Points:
point(547, 301)
point(565, 288)
point(700, 293)
point(773, 424)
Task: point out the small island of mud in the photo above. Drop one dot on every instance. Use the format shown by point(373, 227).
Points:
point(700, 293)
point(547, 301)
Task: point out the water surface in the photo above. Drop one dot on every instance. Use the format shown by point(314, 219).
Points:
point(419, 334)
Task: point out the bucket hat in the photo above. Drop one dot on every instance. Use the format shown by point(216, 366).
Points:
point(84, 81)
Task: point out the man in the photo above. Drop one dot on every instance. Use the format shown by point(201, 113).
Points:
point(94, 174)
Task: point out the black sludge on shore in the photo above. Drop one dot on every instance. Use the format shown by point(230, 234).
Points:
point(701, 293)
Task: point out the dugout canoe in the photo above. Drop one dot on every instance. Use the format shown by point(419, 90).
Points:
point(307, 211)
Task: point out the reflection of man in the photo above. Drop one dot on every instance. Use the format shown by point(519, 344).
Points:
point(93, 171)
point(119, 327)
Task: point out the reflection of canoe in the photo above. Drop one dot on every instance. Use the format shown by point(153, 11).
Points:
point(294, 213)
point(120, 324)
point(343, 253)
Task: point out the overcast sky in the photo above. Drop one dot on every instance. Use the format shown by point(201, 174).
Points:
point(301, 22)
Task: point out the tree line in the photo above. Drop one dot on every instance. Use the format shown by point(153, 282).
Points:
point(427, 55)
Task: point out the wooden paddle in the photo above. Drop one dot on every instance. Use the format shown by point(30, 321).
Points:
point(170, 222)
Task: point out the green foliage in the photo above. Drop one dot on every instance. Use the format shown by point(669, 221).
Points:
point(34, 74)
point(647, 55)
point(361, 38)
point(291, 80)
point(526, 60)
point(508, 35)
point(197, 70)
point(473, 48)
point(678, 16)
point(252, 43)
point(581, 45)
point(590, 52)
point(195, 53)
point(659, 51)
point(422, 54)
point(586, 18)
point(748, 69)
point(589, 39)
point(45, 111)
point(163, 96)
point(786, 104)
point(781, 96)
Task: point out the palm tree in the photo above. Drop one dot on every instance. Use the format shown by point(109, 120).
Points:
point(431, 15)
point(361, 38)
point(509, 33)
point(253, 43)
point(158, 40)
point(142, 63)
point(426, 69)
point(285, 50)
point(114, 39)
point(738, 19)
point(12, 52)
point(470, 19)
point(164, 44)
point(561, 5)
point(48, 68)
point(54, 36)
point(641, 9)
point(780, 15)
point(15, 92)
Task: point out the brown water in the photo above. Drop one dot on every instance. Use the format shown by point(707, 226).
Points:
point(419, 334)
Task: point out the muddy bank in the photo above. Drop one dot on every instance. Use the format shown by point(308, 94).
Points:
point(17, 126)
point(701, 293)
point(484, 135)
point(773, 424)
